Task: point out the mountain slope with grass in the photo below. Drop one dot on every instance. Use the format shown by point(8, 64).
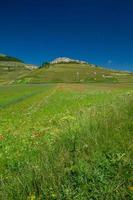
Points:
point(70, 71)
point(12, 68)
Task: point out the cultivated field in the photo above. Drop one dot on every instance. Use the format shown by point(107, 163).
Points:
point(66, 142)
point(74, 73)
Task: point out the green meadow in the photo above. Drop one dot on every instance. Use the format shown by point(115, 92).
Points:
point(66, 141)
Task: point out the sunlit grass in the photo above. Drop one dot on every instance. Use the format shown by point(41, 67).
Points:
point(67, 142)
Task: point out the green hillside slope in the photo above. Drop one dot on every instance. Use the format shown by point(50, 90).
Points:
point(11, 68)
point(9, 58)
point(75, 72)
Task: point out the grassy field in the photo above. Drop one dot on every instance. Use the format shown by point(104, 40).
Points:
point(66, 141)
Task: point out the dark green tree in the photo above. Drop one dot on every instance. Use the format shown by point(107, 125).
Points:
point(45, 64)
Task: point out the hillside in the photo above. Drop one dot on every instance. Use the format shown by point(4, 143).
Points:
point(72, 72)
point(9, 58)
point(12, 68)
point(60, 70)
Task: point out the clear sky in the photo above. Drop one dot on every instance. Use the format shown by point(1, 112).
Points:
point(98, 31)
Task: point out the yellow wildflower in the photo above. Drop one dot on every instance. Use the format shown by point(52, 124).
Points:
point(31, 197)
point(130, 188)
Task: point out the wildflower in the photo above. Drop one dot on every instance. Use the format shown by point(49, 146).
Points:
point(1, 137)
point(130, 188)
point(31, 197)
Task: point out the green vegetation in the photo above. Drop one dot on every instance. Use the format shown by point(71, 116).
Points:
point(45, 64)
point(66, 141)
point(76, 73)
point(8, 74)
point(9, 58)
point(13, 70)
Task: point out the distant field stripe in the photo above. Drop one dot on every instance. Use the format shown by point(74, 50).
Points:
point(22, 98)
point(44, 100)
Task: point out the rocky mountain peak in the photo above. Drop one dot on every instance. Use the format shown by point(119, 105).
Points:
point(66, 60)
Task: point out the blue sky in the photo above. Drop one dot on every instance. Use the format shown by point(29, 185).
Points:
point(98, 31)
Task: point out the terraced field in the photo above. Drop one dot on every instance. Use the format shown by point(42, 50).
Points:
point(8, 74)
point(75, 73)
point(66, 141)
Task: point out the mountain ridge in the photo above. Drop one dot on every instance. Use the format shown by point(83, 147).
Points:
point(66, 60)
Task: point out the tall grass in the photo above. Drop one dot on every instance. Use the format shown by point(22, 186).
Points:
point(87, 155)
